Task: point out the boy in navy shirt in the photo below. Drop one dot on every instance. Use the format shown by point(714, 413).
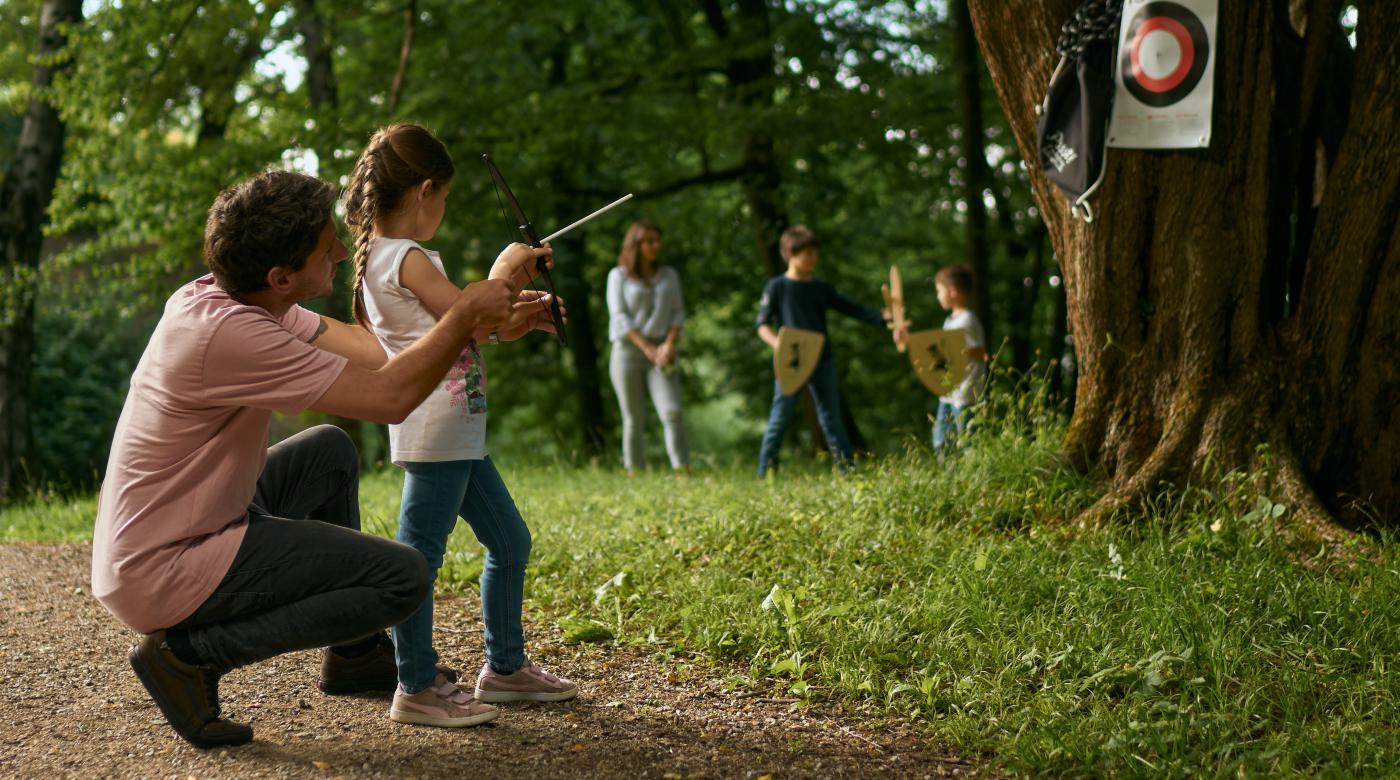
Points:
point(798, 300)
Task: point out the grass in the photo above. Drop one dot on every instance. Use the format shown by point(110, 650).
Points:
point(1193, 641)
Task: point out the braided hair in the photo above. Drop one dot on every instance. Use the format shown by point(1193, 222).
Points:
point(399, 158)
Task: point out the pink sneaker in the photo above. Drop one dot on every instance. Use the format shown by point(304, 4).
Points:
point(440, 704)
point(528, 683)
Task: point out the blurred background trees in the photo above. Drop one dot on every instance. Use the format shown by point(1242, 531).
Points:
point(871, 122)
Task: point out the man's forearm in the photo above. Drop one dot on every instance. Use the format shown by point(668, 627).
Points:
point(418, 369)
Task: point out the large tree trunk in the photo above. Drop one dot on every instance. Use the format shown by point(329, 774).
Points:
point(1188, 358)
point(25, 193)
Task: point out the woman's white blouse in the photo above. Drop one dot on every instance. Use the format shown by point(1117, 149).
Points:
point(651, 308)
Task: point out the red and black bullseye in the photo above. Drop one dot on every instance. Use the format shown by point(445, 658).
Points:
point(1157, 23)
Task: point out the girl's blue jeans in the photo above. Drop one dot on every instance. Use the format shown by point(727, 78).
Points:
point(949, 422)
point(434, 496)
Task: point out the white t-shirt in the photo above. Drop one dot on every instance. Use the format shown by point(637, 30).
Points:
point(970, 389)
point(451, 423)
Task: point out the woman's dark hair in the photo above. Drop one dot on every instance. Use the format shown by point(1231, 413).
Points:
point(273, 219)
point(630, 258)
point(399, 157)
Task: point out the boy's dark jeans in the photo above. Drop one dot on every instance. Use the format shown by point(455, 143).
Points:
point(297, 583)
point(822, 386)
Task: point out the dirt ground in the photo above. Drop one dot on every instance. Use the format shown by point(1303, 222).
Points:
point(74, 708)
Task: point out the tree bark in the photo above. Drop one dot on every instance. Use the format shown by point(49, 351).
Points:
point(25, 194)
point(1188, 362)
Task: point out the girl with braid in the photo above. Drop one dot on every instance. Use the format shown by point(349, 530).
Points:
point(396, 198)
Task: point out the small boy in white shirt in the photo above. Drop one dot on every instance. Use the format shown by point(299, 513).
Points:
point(956, 291)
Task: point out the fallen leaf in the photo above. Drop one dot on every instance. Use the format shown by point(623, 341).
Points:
point(578, 747)
point(321, 764)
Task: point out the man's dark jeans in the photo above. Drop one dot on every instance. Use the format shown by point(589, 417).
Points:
point(297, 583)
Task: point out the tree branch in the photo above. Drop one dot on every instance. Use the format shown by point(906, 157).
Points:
point(706, 177)
point(410, 11)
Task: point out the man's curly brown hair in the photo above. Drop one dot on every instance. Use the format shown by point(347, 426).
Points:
point(273, 219)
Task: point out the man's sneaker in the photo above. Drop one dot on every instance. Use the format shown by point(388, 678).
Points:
point(440, 704)
point(528, 683)
point(373, 672)
point(187, 695)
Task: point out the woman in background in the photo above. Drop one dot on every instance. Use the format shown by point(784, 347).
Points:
point(645, 315)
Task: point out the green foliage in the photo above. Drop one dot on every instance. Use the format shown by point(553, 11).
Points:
point(170, 101)
point(83, 361)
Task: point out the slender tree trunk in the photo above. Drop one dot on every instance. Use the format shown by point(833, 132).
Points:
point(1022, 333)
point(25, 194)
point(975, 175)
point(573, 287)
point(410, 13)
point(750, 82)
point(323, 94)
point(1188, 361)
point(583, 343)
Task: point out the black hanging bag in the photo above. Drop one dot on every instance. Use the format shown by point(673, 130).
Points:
point(1072, 129)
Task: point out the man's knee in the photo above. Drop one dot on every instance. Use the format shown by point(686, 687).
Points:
point(336, 445)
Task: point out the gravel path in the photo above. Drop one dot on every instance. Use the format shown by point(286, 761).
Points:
point(75, 709)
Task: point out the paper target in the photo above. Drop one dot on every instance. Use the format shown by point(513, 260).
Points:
point(1165, 55)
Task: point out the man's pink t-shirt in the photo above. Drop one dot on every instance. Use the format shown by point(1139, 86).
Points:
point(190, 445)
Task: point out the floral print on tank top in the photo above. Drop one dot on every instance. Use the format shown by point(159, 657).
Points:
point(466, 381)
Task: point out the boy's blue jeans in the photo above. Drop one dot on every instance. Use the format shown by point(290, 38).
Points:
point(822, 386)
point(949, 421)
point(434, 496)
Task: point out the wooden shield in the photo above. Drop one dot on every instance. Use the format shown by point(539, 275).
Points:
point(938, 358)
point(797, 354)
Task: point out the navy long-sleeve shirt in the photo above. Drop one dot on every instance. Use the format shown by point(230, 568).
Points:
point(787, 302)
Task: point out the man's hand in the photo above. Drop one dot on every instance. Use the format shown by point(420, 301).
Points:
point(530, 312)
point(901, 337)
point(516, 264)
point(488, 303)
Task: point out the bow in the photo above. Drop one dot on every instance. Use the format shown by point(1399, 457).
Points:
point(527, 233)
